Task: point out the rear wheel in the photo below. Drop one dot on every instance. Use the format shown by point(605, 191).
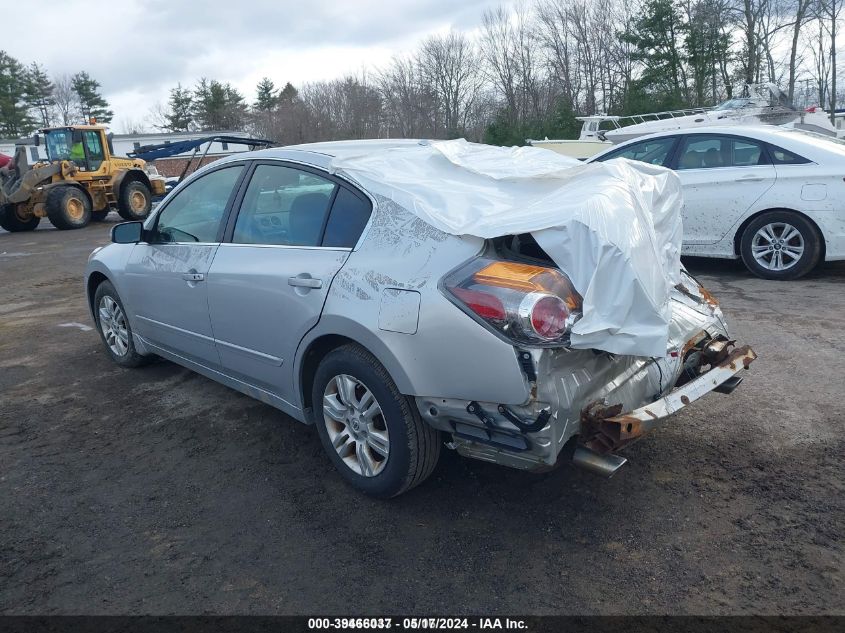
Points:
point(114, 327)
point(135, 201)
point(12, 220)
point(99, 216)
point(780, 245)
point(372, 433)
point(68, 208)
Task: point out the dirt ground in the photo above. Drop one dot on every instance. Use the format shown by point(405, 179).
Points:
point(159, 491)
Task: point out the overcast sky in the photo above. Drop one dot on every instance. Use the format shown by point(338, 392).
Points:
point(139, 49)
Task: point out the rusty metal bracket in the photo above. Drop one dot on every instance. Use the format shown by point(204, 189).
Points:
point(603, 429)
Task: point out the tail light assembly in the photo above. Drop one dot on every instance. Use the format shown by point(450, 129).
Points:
point(524, 303)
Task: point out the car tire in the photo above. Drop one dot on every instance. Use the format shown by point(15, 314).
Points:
point(780, 245)
point(398, 449)
point(13, 223)
point(113, 326)
point(135, 201)
point(68, 208)
point(100, 216)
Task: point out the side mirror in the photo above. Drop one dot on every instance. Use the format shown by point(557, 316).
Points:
point(36, 140)
point(127, 232)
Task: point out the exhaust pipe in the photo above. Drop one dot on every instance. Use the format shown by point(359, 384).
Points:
point(605, 464)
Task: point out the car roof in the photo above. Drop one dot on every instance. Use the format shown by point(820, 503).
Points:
point(759, 131)
point(321, 154)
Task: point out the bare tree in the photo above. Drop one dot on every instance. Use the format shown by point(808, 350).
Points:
point(133, 126)
point(410, 103)
point(157, 117)
point(827, 12)
point(449, 64)
point(801, 14)
point(346, 108)
point(66, 100)
point(819, 46)
point(509, 47)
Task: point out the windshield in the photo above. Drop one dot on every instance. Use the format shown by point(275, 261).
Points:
point(59, 143)
point(733, 104)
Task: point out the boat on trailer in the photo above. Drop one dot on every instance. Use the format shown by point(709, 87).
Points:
point(761, 104)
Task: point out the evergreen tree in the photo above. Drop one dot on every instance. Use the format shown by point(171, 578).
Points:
point(180, 116)
point(267, 97)
point(235, 110)
point(706, 46)
point(91, 102)
point(658, 36)
point(40, 94)
point(201, 106)
point(289, 94)
point(218, 106)
point(15, 119)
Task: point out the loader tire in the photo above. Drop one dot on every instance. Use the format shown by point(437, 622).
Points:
point(135, 201)
point(14, 223)
point(68, 208)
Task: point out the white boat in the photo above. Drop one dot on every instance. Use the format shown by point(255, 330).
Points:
point(762, 104)
point(589, 142)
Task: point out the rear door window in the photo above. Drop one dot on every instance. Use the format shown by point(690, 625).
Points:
point(708, 152)
point(284, 206)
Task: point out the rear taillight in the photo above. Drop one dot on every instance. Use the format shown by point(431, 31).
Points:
point(526, 303)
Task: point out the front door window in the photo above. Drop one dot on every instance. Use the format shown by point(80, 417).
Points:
point(196, 213)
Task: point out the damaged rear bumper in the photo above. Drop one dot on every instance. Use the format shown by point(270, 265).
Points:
point(605, 429)
point(600, 401)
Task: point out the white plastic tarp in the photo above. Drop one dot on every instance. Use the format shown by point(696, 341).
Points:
point(614, 228)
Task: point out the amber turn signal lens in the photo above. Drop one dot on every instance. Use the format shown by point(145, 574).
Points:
point(512, 275)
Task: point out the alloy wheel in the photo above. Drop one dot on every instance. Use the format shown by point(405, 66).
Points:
point(777, 246)
point(356, 426)
point(113, 326)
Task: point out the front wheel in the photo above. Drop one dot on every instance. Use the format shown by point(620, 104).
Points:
point(780, 245)
point(135, 201)
point(373, 434)
point(68, 208)
point(114, 328)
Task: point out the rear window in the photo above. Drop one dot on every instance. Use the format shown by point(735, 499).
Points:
point(350, 214)
point(782, 156)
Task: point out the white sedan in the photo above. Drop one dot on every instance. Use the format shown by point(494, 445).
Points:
point(773, 196)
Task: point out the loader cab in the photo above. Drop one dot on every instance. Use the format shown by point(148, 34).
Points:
point(85, 146)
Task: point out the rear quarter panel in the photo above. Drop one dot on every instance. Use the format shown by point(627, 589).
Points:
point(449, 355)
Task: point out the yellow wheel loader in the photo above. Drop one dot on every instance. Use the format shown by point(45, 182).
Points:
point(81, 181)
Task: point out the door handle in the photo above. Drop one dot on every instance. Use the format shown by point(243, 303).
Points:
point(750, 179)
point(193, 276)
point(305, 282)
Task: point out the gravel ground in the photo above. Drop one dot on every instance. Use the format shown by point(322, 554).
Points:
point(159, 491)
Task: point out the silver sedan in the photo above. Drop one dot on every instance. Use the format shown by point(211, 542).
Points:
point(269, 274)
